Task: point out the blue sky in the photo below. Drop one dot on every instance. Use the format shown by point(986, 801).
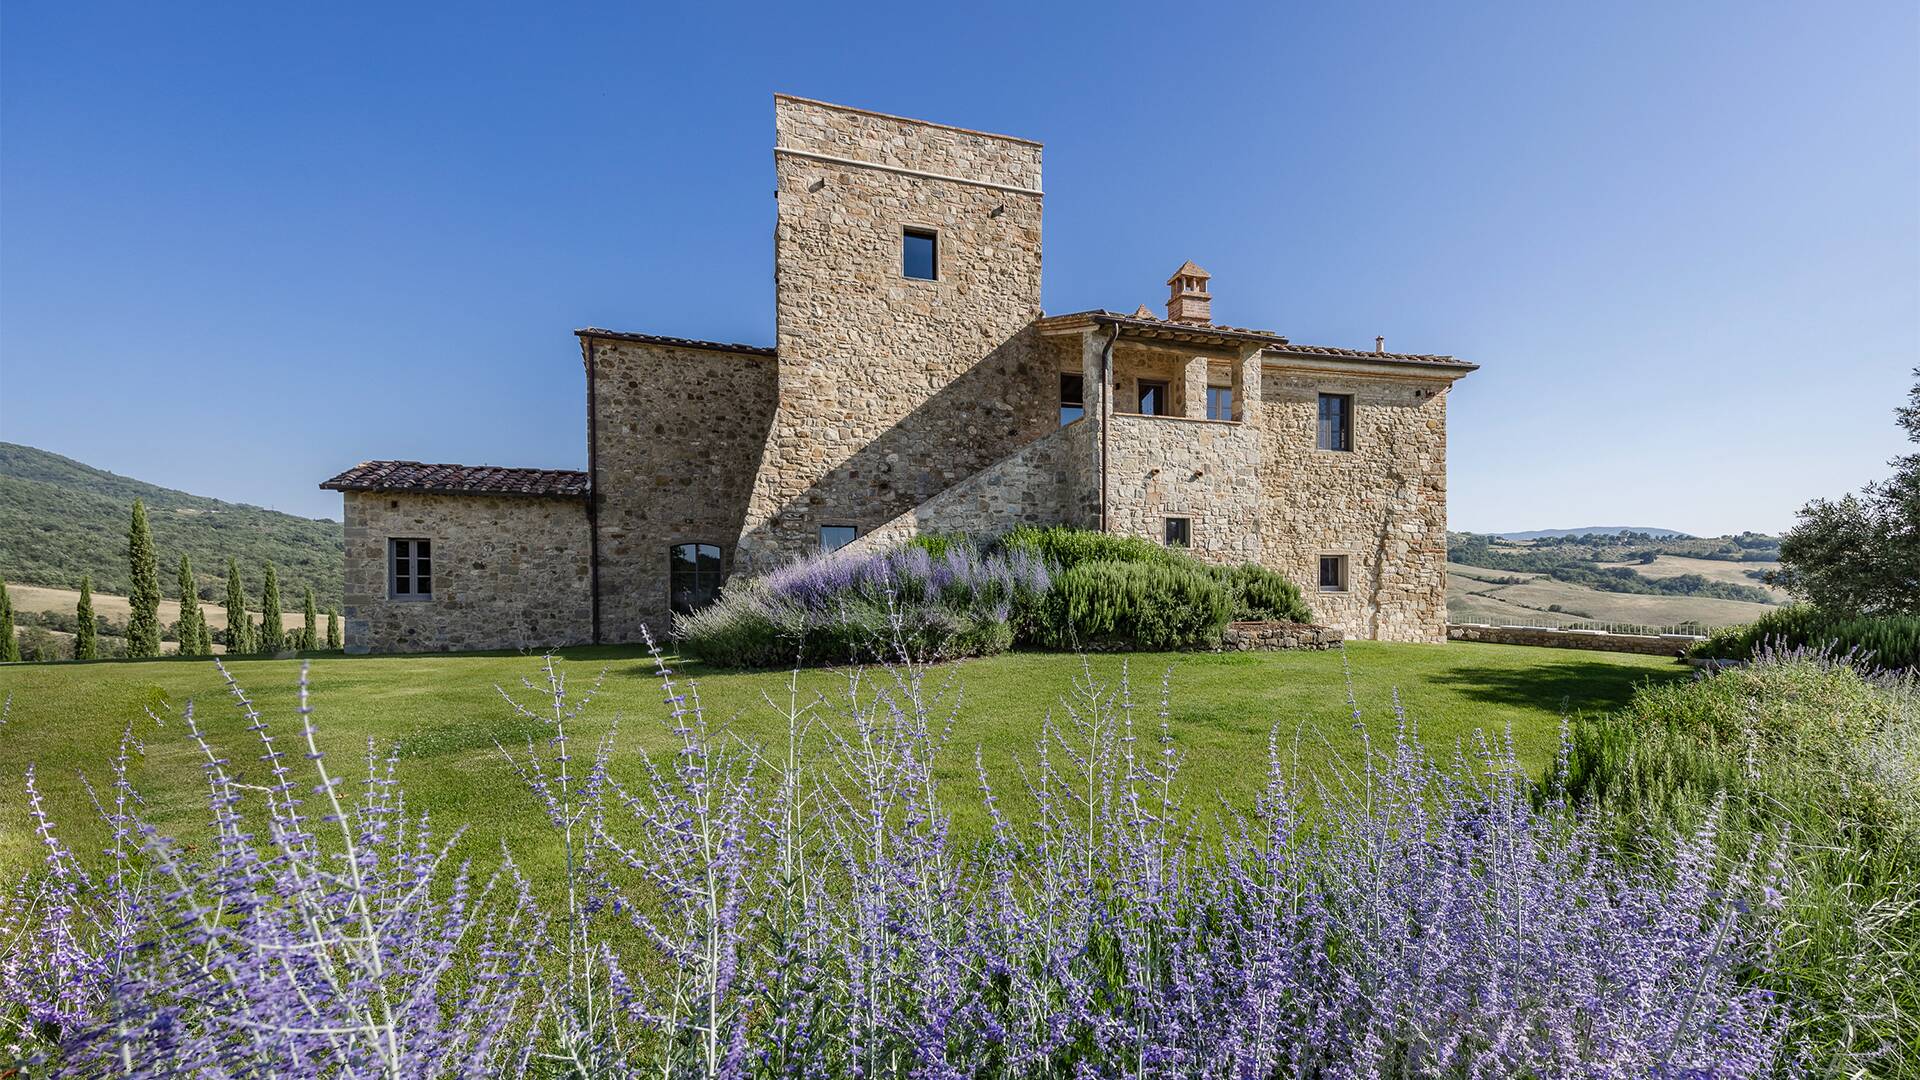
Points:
point(243, 247)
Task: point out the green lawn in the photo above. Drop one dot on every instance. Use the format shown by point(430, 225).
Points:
point(445, 715)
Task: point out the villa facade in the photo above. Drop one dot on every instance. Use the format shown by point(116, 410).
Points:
point(915, 384)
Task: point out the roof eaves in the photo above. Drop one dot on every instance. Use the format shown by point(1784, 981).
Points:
point(425, 478)
point(675, 342)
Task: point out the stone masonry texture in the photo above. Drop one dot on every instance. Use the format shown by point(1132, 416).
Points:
point(509, 572)
point(893, 389)
point(898, 405)
point(678, 440)
point(1383, 505)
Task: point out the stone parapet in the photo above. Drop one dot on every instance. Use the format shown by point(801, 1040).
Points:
point(1675, 645)
point(1278, 637)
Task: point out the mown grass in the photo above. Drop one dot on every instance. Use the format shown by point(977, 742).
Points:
point(446, 717)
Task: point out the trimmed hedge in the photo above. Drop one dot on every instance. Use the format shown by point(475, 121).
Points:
point(1890, 641)
point(1133, 605)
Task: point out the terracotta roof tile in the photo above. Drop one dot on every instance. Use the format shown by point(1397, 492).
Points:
point(675, 342)
point(1369, 354)
point(425, 479)
point(1275, 343)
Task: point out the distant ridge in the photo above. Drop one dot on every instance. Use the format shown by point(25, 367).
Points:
point(1603, 530)
point(60, 518)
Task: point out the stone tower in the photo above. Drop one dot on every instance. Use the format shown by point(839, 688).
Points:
point(907, 278)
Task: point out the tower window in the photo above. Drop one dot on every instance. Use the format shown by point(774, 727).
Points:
point(693, 576)
point(1336, 422)
point(920, 254)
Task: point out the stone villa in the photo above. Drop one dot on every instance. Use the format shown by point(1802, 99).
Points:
point(915, 384)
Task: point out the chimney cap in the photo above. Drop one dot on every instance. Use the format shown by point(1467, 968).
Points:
point(1144, 312)
point(1187, 269)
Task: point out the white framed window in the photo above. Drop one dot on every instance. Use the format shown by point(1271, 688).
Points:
point(409, 569)
point(1333, 573)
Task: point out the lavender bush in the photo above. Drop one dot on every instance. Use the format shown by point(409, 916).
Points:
point(803, 909)
point(839, 607)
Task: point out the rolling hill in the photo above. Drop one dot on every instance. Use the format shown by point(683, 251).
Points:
point(1602, 577)
point(60, 519)
point(1590, 530)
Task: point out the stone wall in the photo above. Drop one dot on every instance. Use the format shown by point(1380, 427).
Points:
point(1383, 505)
point(1644, 644)
point(1278, 637)
point(1204, 470)
point(680, 433)
point(893, 389)
point(509, 572)
point(1047, 482)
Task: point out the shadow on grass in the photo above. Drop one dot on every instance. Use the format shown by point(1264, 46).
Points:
point(1569, 685)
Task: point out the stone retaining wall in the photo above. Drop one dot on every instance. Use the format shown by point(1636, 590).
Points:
point(1277, 636)
point(1645, 644)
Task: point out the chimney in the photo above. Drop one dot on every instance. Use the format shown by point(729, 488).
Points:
point(1379, 344)
point(1189, 302)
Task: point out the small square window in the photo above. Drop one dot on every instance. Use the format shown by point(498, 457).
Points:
point(1219, 402)
point(1336, 422)
point(409, 569)
point(835, 537)
point(920, 254)
point(1073, 398)
point(1153, 398)
point(1179, 532)
point(1333, 573)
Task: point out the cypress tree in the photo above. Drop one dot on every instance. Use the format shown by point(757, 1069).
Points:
point(192, 624)
point(272, 636)
point(143, 624)
point(333, 630)
point(309, 637)
point(86, 643)
point(239, 631)
point(9, 641)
